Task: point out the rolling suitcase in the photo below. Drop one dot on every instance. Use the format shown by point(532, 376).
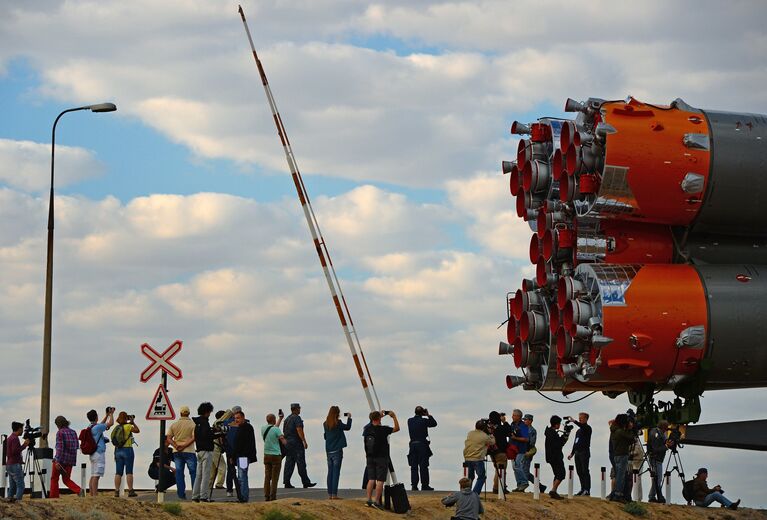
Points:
point(395, 495)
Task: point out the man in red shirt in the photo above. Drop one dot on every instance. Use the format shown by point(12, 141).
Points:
point(14, 462)
point(67, 445)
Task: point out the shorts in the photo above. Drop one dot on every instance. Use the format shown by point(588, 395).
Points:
point(124, 461)
point(558, 467)
point(98, 464)
point(378, 468)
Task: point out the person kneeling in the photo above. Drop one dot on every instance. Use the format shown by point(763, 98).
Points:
point(705, 496)
point(168, 472)
point(467, 503)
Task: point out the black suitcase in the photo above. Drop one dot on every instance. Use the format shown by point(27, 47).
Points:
point(395, 498)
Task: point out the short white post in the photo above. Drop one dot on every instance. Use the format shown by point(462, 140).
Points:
point(570, 482)
point(537, 482)
point(501, 482)
point(635, 487)
point(640, 493)
point(3, 473)
point(44, 493)
point(667, 479)
point(603, 484)
point(83, 489)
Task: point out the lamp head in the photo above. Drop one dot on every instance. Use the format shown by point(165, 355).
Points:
point(103, 107)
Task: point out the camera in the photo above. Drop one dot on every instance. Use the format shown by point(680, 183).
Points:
point(219, 430)
point(131, 418)
point(280, 413)
point(675, 438)
point(386, 412)
point(110, 410)
point(347, 414)
point(568, 427)
point(30, 433)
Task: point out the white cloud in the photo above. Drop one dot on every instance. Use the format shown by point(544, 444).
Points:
point(27, 165)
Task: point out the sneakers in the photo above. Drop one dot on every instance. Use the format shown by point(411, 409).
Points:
point(542, 488)
point(734, 505)
point(555, 495)
point(132, 493)
point(117, 494)
point(585, 493)
point(230, 494)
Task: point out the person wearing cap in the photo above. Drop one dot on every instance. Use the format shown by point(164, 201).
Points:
point(293, 429)
point(531, 450)
point(420, 452)
point(582, 452)
point(181, 437)
point(705, 496)
point(66, 457)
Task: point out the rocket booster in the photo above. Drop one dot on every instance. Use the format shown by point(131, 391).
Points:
point(650, 249)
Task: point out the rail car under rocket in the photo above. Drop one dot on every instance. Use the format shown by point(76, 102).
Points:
point(650, 245)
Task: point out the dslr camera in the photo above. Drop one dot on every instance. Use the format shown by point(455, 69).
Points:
point(568, 426)
point(31, 434)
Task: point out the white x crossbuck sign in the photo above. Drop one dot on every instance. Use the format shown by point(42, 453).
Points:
point(161, 361)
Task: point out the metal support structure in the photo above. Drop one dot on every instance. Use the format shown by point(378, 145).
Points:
point(161, 494)
point(337, 295)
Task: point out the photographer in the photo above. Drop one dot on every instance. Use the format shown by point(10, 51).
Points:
point(621, 439)
point(168, 472)
point(66, 457)
point(657, 445)
point(705, 496)
point(122, 438)
point(555, 442)
point(582, 452)
point(98, 457)
point(501, 431)
point(474, 452)
point(335, 442)
point(420, 452)
point(14, 462)
point(531, 450)
point(377, 455)
point(203, 439)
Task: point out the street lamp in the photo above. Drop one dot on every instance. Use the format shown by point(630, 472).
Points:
point(45, 395)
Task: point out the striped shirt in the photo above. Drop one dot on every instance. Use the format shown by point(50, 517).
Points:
point(66, 447)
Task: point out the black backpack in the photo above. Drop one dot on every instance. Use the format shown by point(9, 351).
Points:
point(688, 490)
point(370, 441)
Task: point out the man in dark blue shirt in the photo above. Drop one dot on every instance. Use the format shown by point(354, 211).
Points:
point(420, 452)
point(582, 452)
point(519, 438)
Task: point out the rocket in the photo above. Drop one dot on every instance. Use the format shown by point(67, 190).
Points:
point(649, 240)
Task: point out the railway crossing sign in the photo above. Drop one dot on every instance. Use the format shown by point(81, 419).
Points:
point(161, 361)
point(160, 408)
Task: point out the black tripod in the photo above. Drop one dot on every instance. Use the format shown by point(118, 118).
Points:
point(222, 445)
point(677, 460)
point(32, 467)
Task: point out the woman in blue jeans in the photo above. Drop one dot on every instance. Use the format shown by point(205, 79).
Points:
point(124, 451)
point(335, 442)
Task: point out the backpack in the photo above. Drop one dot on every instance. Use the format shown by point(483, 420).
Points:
point(118, 437)
point(87, 442)
point(688, 490)
point(370, 442)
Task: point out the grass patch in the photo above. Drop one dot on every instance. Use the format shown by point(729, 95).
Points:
point(74, 514)
point(635, 509)
point(276, 514)
point(172, 508)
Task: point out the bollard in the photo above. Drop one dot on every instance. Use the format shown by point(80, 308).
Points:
point(82, 480)
point(32, 484)
point(603, 484)
point(640, 493)
point(635, 486)
point(570, 482)
point(667, 482)
point(537, 482)
point(3, 473)
point(161, 497)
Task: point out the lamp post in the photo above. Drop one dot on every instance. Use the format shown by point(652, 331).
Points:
point(45, 394)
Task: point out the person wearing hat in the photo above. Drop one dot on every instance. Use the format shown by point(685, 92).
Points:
point(705, 496)
point(181, 437)
point(66, 457)
point(420, 452)
point(531, 450)
point(293, 429)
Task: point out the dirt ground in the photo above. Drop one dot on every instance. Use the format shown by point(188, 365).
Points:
point(518, 507)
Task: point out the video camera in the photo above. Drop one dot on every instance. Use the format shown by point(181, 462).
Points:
point(31, 434)
point(568, 426)
point(675, 438)
point(632, 417)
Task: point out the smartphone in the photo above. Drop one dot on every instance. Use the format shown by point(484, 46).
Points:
point(280, 413)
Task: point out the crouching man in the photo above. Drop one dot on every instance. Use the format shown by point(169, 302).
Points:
point(468, 505)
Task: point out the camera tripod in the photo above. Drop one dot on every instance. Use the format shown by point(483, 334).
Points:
point(678, 468)
point(32, 464)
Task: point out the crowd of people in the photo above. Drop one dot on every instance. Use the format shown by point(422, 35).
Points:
point(218, 452)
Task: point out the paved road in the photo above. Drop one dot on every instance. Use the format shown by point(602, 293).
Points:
point(257, 495)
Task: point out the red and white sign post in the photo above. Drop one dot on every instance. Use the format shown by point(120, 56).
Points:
point(160, 408)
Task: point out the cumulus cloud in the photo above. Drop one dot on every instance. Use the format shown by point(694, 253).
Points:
point(27, 165)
